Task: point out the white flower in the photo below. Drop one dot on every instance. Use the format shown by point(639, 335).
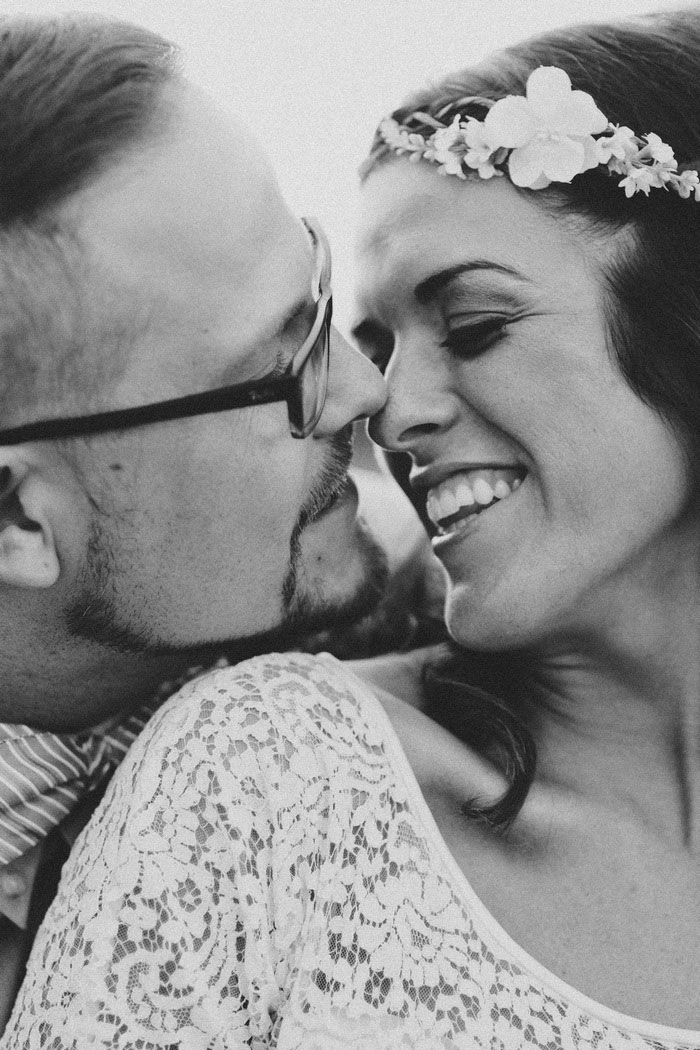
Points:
point(659, 150)
point(688, 182)
point(391, 132)
point(480, 151)
point(622, 144)
point(445, 138)
point(641, 180)
point(452, 165)
point(549, 131)
point(447, 148)
point(545, 136)
point(399, 138)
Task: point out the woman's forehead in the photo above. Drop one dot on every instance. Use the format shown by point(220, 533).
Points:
point(412, 221)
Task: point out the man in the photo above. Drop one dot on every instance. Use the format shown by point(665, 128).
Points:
point(146, 257)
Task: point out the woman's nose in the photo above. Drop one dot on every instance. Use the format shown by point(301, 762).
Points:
point(356, 388)
point(418, 404)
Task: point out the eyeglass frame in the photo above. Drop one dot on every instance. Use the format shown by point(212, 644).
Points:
point(286, 387)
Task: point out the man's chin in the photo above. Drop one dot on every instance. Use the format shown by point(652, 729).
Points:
point(312, 615)
point(337, 575)
point(345, 586)
point(310, 605)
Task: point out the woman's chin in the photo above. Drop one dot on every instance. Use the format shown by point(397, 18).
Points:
point(491, 626)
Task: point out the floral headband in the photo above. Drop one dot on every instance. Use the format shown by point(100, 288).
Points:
point(543, 137)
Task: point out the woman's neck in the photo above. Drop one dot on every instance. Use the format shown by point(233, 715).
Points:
point(616, 707)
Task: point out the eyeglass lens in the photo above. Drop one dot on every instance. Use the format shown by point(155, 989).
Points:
point(306, 407)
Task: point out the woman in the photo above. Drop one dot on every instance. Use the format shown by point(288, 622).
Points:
point(337, 867)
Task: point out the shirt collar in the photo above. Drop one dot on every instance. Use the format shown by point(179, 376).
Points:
point(18, 877)
point(16, 884)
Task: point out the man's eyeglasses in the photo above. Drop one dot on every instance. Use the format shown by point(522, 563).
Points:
point(303, 385)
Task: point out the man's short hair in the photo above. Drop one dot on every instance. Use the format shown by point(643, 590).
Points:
point(75, 93)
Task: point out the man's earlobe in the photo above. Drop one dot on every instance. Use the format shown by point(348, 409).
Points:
point(28, 556)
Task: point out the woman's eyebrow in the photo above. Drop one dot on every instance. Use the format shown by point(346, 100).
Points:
point(427, 290)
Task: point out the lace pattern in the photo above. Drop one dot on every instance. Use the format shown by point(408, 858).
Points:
point(255, 877)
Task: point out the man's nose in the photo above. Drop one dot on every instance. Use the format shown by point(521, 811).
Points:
point(356, 388)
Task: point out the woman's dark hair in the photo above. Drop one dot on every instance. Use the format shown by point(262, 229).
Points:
point(644, 74)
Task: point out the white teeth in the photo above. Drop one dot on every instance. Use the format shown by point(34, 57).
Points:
point(483, 493)
point(464, 494)
point(449, 504)
point(469, 491)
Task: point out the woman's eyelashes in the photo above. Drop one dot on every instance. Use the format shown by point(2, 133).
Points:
point(465, 339)
point(469, 339)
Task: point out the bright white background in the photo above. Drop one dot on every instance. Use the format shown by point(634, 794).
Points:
point(314, 76)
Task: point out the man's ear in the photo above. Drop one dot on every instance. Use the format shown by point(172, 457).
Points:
point(28, 555)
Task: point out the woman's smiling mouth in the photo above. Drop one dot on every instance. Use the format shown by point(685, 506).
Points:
point(466, 493)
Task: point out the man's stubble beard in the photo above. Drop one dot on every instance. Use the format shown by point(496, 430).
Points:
point(95, 615)
point(307, 611)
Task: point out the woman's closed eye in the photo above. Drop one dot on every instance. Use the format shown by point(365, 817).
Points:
point(470, 339)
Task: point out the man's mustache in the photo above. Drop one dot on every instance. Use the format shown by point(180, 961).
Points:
point(332, 478)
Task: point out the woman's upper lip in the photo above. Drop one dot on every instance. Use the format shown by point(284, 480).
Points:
point(424, 478)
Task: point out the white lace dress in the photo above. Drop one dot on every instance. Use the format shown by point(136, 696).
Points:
point(264, 872)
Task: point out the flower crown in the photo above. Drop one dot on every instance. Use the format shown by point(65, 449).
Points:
point(543, 137)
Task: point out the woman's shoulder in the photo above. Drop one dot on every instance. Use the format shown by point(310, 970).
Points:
point(438, 759)
point(263, 708)
point(398, 674)
point(234, 760)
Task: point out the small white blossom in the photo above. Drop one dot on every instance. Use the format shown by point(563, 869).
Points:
point(391, 132)
point(641, 180)
point(445, 138)
point(659, 150)
point(616, 166)
point(452, 165)
point(480, 152)
point(622, 144)
point(686, 183)
point(399, 138)
point(447, 148)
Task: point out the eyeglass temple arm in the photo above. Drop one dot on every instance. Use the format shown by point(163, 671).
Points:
point(238, 396)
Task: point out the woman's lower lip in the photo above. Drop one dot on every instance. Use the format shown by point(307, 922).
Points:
point(465, 528)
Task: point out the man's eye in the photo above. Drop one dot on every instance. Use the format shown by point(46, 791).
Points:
point(281, 363)
point(471, 340)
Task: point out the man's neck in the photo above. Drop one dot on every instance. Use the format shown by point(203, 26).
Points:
point(81, 686)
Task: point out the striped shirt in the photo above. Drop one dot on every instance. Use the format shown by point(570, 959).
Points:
point(44, 775)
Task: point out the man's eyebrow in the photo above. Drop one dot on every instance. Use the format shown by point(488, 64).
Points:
point(428, 289)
